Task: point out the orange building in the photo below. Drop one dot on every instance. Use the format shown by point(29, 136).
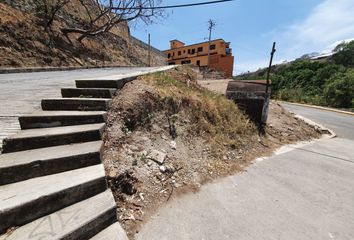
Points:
point(221, 58)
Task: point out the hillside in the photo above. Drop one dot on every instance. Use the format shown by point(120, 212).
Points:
point(24, 42)
point(324, 82)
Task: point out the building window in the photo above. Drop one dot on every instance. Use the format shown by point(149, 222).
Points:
point(179, 53)
point(172, 63)
point(198, 63)
point(193, 51)
point(169, 55)
point(186, 62)
point(173, 54)
point(212, 47)
point(189, 51)
point(200, 49)
point(184, 51)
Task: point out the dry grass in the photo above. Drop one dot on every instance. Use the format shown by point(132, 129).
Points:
point(211, 115)
point(203, 135)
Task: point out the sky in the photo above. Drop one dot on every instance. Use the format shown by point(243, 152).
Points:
point(298, 27)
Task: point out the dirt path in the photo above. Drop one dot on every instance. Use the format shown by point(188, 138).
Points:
point(218, 85)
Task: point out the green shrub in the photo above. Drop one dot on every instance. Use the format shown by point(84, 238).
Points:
point(339, 90)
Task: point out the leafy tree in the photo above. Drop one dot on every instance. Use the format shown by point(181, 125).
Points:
point(339, 90)
point(344, 54)
point(329, 83)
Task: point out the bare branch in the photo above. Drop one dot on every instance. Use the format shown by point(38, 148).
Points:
point(103, 15)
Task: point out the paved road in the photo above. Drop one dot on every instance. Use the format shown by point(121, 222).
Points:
point(21, 93)
point(342, 124)
point(305, 193)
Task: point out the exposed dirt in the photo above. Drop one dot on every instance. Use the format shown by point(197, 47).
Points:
point(166, 135)
point(24, 42)
point(218, 86)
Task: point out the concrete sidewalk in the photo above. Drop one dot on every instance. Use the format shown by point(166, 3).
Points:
point(304, 193)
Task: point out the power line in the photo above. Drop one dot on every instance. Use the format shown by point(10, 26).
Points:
point(173, 6)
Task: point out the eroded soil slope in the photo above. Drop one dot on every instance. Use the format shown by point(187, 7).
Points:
point(167, 135)
point(24, 41)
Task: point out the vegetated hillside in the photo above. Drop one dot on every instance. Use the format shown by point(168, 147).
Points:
point(326, 83)
point(24, 41)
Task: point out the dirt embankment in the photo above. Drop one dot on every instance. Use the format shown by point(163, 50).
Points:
point(24, 42)
point(167, 135)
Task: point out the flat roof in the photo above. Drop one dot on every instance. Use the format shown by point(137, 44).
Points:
point(219, 39)
point(177, 41)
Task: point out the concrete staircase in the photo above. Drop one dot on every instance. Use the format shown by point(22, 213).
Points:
point(52, 181)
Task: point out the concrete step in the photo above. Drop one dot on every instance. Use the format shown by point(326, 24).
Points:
point(47, 137)
point(104, 83)
point(79, 221)
point(113, 232)
point(88, 92)
point(26, 201)
point(78, 104)
point(23, 165)
point(46, 119)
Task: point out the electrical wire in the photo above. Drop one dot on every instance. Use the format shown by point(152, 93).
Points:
point(174, 6)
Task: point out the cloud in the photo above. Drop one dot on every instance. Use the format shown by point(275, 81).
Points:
point(245, 66)
point(327, 25)
point(332, 46)
point(329, 22)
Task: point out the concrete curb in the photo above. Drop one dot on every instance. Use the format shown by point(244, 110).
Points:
point(317, 126)
point(52, 69)
point(327, 134)
point(318, 107)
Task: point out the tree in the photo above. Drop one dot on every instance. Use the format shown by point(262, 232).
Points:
point(48, 9)
point(339, 90)
point(344, 54)
point(103, 15)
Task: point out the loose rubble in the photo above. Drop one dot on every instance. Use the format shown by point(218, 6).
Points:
point(163, 156)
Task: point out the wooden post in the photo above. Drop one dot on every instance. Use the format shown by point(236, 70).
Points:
point(270, 66)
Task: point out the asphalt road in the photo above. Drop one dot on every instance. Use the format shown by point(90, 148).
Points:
point(306, 192)
point(341, 124)
point(21, 93)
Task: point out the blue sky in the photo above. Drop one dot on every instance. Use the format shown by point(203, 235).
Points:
point(298, 27)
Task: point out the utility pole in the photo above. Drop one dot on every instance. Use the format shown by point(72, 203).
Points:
point(270, 65)
point(149, 54)
point(212, 25)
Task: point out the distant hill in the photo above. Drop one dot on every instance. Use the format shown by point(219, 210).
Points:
point(25, 43)
point(326, 79)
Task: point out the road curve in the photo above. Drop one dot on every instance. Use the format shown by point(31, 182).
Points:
point(304, 193)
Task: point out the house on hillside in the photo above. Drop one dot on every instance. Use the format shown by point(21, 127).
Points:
point(221, 58)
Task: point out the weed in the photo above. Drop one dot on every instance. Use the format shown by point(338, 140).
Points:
point(143, 157)
point(125, 129)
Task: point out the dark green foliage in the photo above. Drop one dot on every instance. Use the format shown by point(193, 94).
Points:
point(339, 90)
point(344, 54)
point(329, 83)
point(325, 83)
